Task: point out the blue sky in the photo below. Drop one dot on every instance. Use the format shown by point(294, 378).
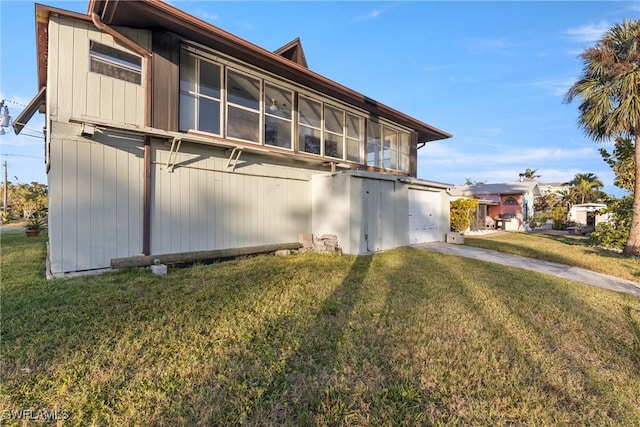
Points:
point(493, 74)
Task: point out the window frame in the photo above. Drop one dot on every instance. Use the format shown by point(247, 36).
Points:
point(113, 62)
point(404, 135)
point(196, 94)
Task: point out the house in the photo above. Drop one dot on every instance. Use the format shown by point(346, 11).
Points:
point(168, 135)
point(588, 215)
point(508, 206)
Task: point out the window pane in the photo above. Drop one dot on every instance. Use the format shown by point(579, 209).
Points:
point(333, 146)
point(353, 150)
point(277, 132)
point(209, 79)
point(187, 72)
point(404, 152)
point(277, 101)
point(187, 112)
point(209, 116)
point(390, 148)
point(310, 112)
point(354, 124)
point(374, 144)
point(243, 90)
point(333, 120)
point(243, 124)
point(309, 140)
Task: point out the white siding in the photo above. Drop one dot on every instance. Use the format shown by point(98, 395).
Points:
point(95, 200)
point(204, 205)
point(369, 212)
point(74, 91)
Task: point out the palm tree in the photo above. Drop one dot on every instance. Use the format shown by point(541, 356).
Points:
point(530, 173)
point(586, 187)
point(609, 88)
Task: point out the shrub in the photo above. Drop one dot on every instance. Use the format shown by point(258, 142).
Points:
point(462, 211)
point(614, 234)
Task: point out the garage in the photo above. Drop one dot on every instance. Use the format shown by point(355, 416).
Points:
point(424, 216)
point(371, 212)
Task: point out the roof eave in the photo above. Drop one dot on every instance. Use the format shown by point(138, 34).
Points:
point(188, 25)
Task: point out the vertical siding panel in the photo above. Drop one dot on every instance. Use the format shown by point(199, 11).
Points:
point(218, 201)
point(106, 98)
point(83, 205)
point(122, 203)
point(80, 69)
point(69, 203)
point(118, 100)
point(98, 203)
point(174, 204)
point(56, 213)
point(53, 64)
point(93, 97)
point(65, 71)
point(135, 218)
point(110, 185)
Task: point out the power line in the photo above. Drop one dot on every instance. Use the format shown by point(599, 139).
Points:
point(20, 155)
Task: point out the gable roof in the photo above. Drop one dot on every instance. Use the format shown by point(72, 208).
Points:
point(517, 187)
point(294, 52)
point(157, 15)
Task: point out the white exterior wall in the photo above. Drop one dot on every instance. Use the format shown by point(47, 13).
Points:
point(95, 199)
point(203, 205)
point(366, 213)
point(74, 91)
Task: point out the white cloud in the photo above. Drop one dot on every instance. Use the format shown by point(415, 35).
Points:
point(206, 16)
point(588, 33)
point(371, 15)
point(556, 87)
point(483, 45)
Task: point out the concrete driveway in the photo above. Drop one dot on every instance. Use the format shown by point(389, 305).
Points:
point(560, 270)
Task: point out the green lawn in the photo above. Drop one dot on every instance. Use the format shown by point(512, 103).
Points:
point(406, 337)
point(570, 250)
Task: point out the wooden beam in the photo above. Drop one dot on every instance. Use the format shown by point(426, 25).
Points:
point(176, 258)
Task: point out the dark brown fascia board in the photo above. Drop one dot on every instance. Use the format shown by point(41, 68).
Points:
point(42, 14)
point(192, 27)
point(21, 121)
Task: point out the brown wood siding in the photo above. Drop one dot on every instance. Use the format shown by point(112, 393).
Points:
point(413, 155)
point(165, 81)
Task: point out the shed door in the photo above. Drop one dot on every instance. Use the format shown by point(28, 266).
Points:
point(424, 216)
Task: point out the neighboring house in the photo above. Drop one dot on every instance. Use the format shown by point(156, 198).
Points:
point(508, 206)
point(166, 134)
point(588, 214)
point(553, 187)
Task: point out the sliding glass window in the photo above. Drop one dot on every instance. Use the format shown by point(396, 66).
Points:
point(309, 125)
point(333, 132)
point(355, 138)
point(243, 107)
point(278, 116)
point(200, 94)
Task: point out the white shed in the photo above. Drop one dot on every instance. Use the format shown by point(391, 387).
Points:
point(371, 212)
point(588, 214)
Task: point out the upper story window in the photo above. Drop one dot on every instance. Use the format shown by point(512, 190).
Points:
point(510, 201)
point(278, 116)
point(309, 125)
point(243, 106)
point(200, 94)
point(115, 63)
point(387, 147)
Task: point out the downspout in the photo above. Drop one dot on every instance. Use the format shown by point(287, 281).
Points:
point(146, 194)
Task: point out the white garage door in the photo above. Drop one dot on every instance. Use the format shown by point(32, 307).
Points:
point(424, 216)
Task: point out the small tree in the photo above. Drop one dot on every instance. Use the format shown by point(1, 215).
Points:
point(462, 211)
